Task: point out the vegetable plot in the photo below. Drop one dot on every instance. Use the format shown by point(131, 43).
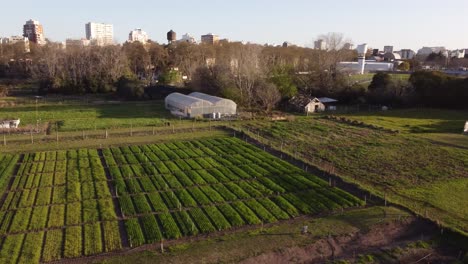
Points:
point(171, 190)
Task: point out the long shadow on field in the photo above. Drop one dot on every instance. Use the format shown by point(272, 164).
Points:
point(450, 121)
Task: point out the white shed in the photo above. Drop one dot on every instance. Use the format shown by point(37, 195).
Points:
point(315, 105)
point(312, 104)
point(12, 123)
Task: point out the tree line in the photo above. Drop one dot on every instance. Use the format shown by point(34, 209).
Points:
point(255, 76)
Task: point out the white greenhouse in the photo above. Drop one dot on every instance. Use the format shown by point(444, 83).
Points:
point(199, 105)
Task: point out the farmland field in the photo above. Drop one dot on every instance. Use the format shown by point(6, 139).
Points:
point(405, 168)
point(171, 190)
point(57, 200)
point(67, 204)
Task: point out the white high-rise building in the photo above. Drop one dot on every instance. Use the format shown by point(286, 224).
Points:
point(34, 31)
point(210, 39)
point(100, 34)
point(407, 54)
point(388, 49)
point(16, 39)
point(138, 35)
point(320, 44)
point(457, 54)
point(428, 50)
point(188, 38)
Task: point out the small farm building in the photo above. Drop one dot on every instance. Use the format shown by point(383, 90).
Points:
point(199, 105)
point(307, 104)
point(12, 123)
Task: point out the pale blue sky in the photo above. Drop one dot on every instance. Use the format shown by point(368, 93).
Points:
point(402, 23)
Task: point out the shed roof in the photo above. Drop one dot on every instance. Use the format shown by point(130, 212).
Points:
point(326, 100)
point(301, 100)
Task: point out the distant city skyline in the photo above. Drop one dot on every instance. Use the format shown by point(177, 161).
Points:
point(401, 24)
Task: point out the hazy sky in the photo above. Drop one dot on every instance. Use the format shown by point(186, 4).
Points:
point(401, 23)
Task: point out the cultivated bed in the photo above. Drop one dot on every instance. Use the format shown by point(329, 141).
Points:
point(70, 203)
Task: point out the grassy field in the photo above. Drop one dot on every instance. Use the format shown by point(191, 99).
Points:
point(90, 116)
point(96, 139)
point(366, 78)
point(416, 120)
point(73, 203)
point(403, 167)
point(443, 126)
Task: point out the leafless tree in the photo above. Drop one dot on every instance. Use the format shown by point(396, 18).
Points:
point(268, 95)
point(247, 71)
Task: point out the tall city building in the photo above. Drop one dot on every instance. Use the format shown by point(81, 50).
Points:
point(407, 54)
point(138, 35)
point(320, 44)
point(187, 38)
point(77, 42)
point(16, 39)
point(388, 49)
point(210, 39)
point(425, 51)
point(99, 33)
point(34, 31)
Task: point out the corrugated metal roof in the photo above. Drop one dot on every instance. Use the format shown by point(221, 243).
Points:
point(327, 100)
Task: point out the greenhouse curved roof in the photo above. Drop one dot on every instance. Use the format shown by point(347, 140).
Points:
point(181, 99)
point(213, 99)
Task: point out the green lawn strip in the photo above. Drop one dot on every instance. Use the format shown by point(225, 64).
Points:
point(75, 142)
